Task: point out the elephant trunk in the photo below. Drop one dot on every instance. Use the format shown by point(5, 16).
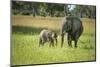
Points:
point(62, 39)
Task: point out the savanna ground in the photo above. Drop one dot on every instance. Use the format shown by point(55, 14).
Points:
point(25, 40)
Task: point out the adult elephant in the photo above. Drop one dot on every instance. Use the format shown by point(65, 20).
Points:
point(74, 28)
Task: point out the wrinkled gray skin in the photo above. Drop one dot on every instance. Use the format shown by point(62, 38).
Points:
point(47, 36)
point(74, 28)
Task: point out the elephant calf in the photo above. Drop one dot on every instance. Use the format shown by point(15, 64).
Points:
point(47, 36)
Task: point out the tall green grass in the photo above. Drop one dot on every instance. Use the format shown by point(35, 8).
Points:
point(25, 42)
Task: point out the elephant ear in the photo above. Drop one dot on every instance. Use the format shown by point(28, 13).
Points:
point(69, 24)
point(63, 26)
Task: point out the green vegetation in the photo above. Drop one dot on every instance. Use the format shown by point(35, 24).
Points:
point(25, 39)
point(52, 9)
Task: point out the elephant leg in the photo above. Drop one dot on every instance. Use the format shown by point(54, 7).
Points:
point(76, 39)
point(42, 43)
point(69, 40)
point(70, 43)
point(75, 43)
point(56, 41)
point(51, 42)
point(62, 40)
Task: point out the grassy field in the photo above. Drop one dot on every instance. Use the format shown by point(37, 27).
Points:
point(25, 38)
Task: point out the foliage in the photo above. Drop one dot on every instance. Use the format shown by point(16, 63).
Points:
point(53, 10)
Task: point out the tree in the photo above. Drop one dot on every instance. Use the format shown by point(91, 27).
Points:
point(43, 9)
point(53, 10)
